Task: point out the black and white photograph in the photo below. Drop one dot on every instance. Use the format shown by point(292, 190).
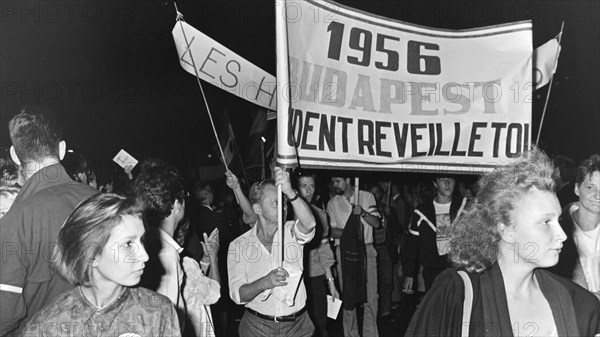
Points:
point(348, 168)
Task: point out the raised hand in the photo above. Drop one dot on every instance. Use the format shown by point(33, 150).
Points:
point(283, 177)
point(232, 181)
point(210, 244)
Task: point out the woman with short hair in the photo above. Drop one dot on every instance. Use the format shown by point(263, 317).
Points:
point(503, 243)
point(100, 250)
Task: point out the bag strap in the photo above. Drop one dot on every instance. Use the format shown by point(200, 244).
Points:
point(467, 304)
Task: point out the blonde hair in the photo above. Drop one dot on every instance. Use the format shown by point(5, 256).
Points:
point(474, 242)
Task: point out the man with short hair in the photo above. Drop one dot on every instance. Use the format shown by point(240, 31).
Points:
point(397, 202)
point(319, 259)
point(387, 250)
point(28, 232)
point(430, 231)
point(161, 190)
point(255, 279)
point(204, 220)
point(580, 255)
point(339, 208)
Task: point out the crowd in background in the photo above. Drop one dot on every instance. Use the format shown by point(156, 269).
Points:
point(179, 231)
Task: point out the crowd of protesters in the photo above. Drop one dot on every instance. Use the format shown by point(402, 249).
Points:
point(159, 254)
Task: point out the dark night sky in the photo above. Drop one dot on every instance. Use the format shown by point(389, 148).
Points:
point(110, 68)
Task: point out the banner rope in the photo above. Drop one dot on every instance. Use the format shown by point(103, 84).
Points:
point(179, 19)
point(537, 140)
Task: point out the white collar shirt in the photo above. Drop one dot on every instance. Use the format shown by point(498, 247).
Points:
point(248, 260)
point(171, 280)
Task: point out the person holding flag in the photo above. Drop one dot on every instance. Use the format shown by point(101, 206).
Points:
point(258, 278)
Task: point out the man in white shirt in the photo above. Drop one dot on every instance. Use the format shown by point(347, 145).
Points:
point(161, 190)
point(274, 297)
point(339, 208)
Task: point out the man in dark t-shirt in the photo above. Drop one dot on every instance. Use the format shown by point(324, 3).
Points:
point(28, 232)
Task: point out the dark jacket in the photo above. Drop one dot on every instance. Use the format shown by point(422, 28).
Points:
point(569, 257)
point(28, 234)
point(354, 263)
point(204, 220)
point(576, 311)
point(421, 249)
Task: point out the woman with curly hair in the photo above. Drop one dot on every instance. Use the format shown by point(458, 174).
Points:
point(503, 243)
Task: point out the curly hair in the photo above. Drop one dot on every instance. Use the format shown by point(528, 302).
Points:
point(86, 232)
point(158, 187)
point(9, 172)
point(475, 239)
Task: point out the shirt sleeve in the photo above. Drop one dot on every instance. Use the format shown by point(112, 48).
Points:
point(331, 212)
point(415, 222)
point(411, 248)
point(169, 282)
point(371, 205)
point(236, 271)
point(14, 273)
point(300, 237)
point(203, 289)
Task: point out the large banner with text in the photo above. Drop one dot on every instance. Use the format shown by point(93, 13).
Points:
point(372, 93)
point(214, 63)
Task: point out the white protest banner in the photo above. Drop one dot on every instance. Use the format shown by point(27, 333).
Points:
point(378, 94)
point(223, 68)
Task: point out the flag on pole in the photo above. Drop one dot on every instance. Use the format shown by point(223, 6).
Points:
point(271, 115)
point(545, 61)
point(548, 76)
point(255, 146)
point(228, 139)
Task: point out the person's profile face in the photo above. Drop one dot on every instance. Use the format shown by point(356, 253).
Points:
point(123, 258)
point(537, 235)
point(306, 188)
point(339, 185)
point(589, 193)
